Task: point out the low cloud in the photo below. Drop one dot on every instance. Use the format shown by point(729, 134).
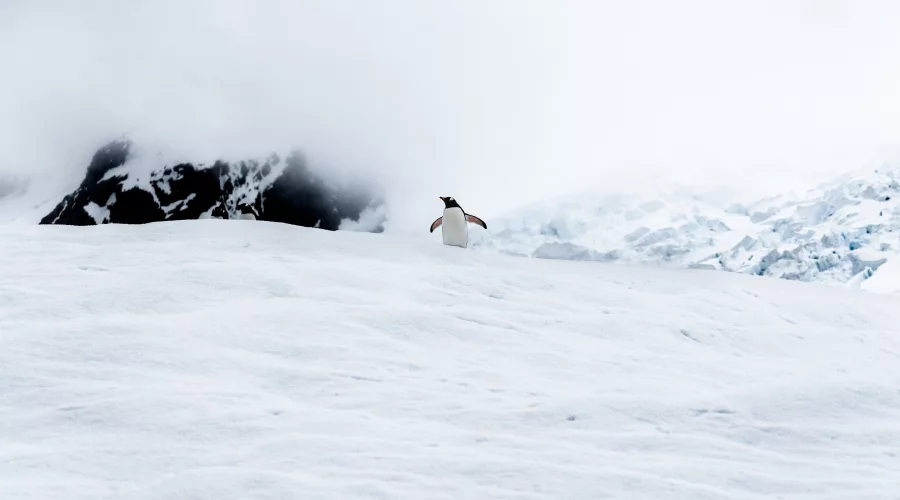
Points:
point(497, 103)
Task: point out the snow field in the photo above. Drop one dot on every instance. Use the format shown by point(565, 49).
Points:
point(249, 360)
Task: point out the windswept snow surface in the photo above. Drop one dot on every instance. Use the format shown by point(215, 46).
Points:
point(250, 360)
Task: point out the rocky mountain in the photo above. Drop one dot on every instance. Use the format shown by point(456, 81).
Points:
point(271, 189)
point(844, 232)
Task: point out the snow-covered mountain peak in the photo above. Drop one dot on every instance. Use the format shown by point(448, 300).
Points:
point(128, 185)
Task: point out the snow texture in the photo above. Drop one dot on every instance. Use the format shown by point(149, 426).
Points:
point(841, 233)
point(233, 359)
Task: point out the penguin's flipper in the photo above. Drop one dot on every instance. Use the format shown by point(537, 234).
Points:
point(436, 224)
point(475, 220)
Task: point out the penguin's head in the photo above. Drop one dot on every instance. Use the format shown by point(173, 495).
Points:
point(449, 202)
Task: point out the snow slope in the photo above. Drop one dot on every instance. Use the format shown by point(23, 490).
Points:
point(840, 233)
point(25, 199)
point(251, 360)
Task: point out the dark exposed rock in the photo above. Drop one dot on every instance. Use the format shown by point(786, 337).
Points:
point(113, 155)
point(96, 188)
point(297, 197)
point(269, 190)
point(219, 211)
point(135, 206)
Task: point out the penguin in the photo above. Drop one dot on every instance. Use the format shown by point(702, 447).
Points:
point(454, 223)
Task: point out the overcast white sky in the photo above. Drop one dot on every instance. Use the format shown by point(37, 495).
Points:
point(495, 102)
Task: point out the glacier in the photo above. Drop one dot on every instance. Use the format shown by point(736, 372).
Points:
point(844, 232)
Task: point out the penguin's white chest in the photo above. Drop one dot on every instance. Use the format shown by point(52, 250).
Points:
point(454, 227)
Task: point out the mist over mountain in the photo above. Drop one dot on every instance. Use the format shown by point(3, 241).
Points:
point(846, 231)
point(117, 190)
